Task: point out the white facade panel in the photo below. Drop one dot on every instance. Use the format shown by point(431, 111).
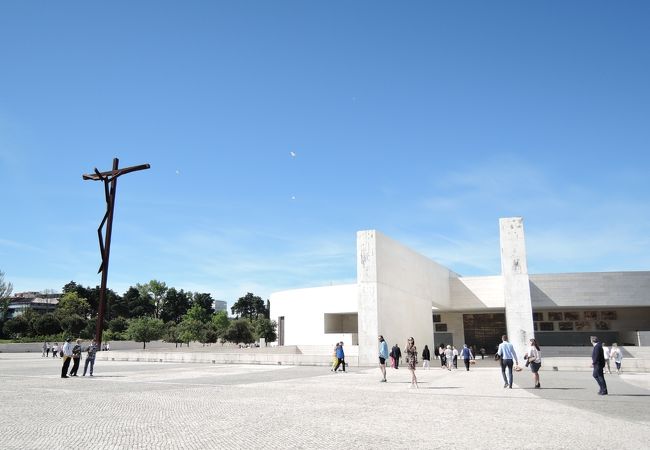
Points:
point(476, 293)
point(304, 313)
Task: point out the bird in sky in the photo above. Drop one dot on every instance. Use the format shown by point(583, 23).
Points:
point(293, 154)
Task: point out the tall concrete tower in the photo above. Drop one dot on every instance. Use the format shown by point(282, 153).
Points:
point(516, 285)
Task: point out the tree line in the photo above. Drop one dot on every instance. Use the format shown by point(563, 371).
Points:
point(144, 313)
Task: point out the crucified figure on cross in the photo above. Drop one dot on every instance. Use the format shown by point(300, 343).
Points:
point(110, 185)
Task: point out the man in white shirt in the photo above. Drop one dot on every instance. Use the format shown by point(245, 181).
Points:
point(507, 354)
point(606, 355)
point(67, 356)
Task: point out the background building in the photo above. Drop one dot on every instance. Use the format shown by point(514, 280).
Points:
point(220, 305)
point(400, 293)
point(41, 303)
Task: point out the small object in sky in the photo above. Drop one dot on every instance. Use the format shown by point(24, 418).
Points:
point(293, 154)
point(293, 197)
point(178, 172)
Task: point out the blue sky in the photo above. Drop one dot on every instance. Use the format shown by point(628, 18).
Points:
point(427, 121)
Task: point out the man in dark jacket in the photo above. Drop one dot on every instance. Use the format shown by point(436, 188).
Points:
point(598, 363)
point(397, 354)
point(76, 358)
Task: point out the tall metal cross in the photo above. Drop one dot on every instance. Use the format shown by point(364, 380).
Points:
point(110, 185)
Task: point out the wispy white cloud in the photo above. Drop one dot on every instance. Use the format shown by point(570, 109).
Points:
point(568, 226)
point(21, 246)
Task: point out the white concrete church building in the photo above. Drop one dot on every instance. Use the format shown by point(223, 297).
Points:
point(400, 293)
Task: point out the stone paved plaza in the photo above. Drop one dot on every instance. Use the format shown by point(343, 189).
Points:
point(137, 405)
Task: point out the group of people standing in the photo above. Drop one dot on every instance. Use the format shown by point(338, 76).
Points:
point(411, 358)
point(613, 353)
point(47, 348)
point(72, 353)
point(506, 355)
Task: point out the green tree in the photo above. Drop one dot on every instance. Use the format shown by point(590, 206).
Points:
point(112, 299)
point(156, 290)
point(118, 325)
point(265, 328)
point(6, 289)
point(205, 301)
point(239, 331)
point(71, 304)
point(249, 306)
point(72, 324)
point(30, 316)
point(118, 306)
point(16, 327)
point(171, 333)
point(211, 334)
point(196, 312)
point(47, 325)
point(138, 304)
point(191, 330)
point(220, 323)
point(88, 331)
point(176, 305)
point(145, 329)
point(82, 292)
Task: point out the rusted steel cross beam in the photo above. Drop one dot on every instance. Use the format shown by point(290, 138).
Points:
point(110, 185)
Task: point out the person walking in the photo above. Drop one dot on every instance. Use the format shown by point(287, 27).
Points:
point(55, 350)
point(426, 358)
point(90, 358)
point(617, 355)
point(67, 356)
point(412, 360)
point(340, 355)
point(443, 359)
point(482, 352)
point(598, 364)
point(383, 356)
point(449, 357)
point(606, 354)
point(47, 350)
point(76, 358)
point(455, 356)
point(397, 354)
point(335, 360)
point(506, 352)
point(534, 360)
point(44, 349)
point(467, 355)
